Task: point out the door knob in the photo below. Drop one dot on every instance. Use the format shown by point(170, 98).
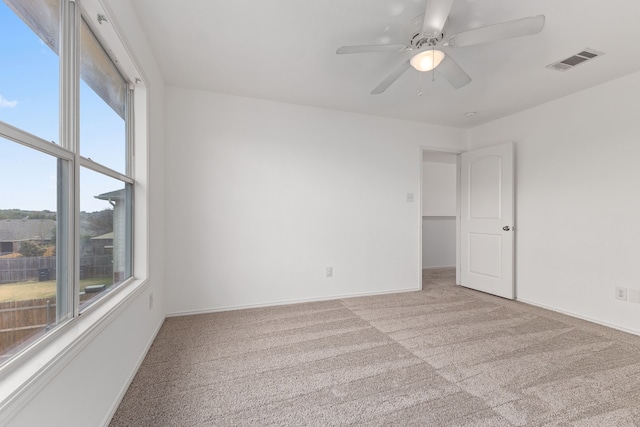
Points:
point(506, 228)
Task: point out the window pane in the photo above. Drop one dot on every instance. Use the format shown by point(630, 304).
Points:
point(32, 301)
point(105, 234)
point(29, 75)
point(102, 105)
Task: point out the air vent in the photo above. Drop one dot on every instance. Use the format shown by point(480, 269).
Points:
point(577, 59)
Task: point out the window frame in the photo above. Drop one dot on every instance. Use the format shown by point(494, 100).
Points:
point(37, 357)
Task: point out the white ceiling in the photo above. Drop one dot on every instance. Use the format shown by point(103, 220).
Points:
point(284, 50)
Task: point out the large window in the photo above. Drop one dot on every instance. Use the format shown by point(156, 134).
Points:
point(66, 206)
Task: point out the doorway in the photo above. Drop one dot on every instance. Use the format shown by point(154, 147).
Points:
point(439, 210)
point(480, 242)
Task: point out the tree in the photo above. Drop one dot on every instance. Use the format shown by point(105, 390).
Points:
point(31, 249)
point(99, 222)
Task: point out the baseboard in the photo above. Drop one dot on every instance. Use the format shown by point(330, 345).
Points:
point(581, 317)
point(125, 387)
point(438, 267)
point(288, 302)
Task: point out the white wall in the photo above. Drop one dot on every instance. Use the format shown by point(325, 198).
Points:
point(439, 186)
point(577, 200)
point(84, 391)
point(439, 177)
point(438, 241)
point(262, 196)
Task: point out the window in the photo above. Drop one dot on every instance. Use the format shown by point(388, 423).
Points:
point(102, 105)
point(67, 204)
point(32, 293)
point(29, 79)
point(105, 234)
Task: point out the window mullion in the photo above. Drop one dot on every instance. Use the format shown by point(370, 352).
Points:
point(130, 166)
point(130, 127)
point(97, 167)
point(69, 137)
point(32, 141)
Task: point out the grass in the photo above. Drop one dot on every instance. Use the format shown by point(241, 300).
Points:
point(39, 290)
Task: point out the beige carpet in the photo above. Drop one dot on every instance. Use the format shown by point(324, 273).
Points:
point(446, 356)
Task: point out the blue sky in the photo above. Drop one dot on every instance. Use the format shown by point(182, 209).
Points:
point(29, 100)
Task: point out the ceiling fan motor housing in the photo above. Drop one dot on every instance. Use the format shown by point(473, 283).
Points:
point(417, 39)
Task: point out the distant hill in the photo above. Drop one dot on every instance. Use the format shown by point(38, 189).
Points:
point(20, 214)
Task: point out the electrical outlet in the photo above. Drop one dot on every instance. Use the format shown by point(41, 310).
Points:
point(410, 197)
point(634, 295)
point(621, 293)
point(150, 300)
point(329, 272)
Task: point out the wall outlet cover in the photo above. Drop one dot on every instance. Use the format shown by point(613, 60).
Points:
point(621, 293)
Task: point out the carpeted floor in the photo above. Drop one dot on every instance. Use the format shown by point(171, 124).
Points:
point(445, 356)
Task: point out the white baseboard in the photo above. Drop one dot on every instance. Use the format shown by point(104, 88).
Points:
point(579, 316)
point(125, 387)
point(288, 302)
point(438, 267)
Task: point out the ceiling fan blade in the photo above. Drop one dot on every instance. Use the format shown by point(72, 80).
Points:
point(372, 48)
point(505, 30)
point(453, 72)
point(435, 16)
point(391, 78)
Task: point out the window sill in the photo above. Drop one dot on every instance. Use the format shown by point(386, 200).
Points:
point(25, 375)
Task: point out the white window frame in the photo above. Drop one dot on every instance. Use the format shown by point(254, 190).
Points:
point(28, 371)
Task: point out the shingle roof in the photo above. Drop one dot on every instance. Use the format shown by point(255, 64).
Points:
point(14, 230)
point(107, 236)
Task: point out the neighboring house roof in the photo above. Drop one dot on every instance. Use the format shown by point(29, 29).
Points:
point(16, 230)
point(112, 195)
point(107, 236)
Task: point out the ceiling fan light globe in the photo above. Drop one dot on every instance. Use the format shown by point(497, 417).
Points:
point(427, 60)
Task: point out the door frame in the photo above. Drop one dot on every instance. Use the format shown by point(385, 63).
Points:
point(441, 150)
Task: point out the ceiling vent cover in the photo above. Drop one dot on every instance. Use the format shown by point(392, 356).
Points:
point(577, 59)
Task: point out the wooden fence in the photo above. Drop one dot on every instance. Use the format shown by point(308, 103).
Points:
point(96, 266)
point(21, 320)
point(26, 269)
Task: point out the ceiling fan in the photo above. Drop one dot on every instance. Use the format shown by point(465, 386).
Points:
point(428, 33)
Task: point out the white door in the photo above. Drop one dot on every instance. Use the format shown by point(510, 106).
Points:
point(486, 220)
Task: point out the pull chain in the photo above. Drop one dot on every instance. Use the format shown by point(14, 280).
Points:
point(420, 93)
point(433, 70)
